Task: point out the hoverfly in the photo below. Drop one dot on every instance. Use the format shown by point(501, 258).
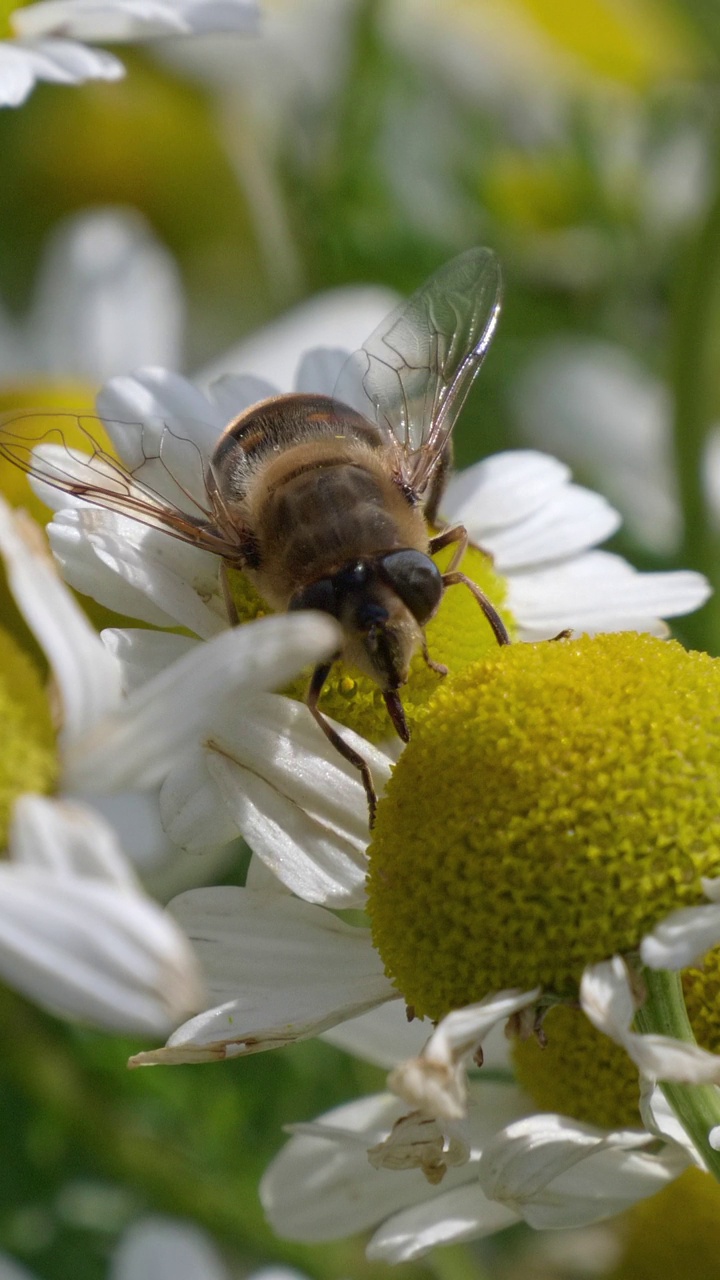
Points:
point(324, 501)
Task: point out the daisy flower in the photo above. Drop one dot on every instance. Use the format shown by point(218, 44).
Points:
point(47, 40)
point(77, 933)
point(593, 764)
point(548, 739)
point(107, 295)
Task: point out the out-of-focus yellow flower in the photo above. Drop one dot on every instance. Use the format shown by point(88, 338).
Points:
point(559, 41)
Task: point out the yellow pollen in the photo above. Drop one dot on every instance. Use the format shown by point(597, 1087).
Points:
point(555, 803)
point(28, 761)
point(456, 637)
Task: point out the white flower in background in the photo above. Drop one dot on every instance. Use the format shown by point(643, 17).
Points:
point(47, 40)
point(163, 1249)
point(108, 296)
point(77, 933)
point(594, 404)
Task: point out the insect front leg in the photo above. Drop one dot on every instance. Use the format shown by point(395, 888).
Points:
point(488, 608)
point(319, 676)
point(230, 606)
point(456, 534)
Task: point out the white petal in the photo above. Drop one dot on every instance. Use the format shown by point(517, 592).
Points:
point(164, 429)
point(87, 675)
point(78, 938)
point(25, 62)
point(682, 938)
point(166, 1249)
point(134, 19)
point(557, 1172)
point(139, 743)
point(503, 490)
point(600, 592)
point(595, 405)
point(320, 369)
point(607, 999)
point(135, 818)
point(286, 970)
point(462, 1214)
point(84, 571)
point(142, 655)
point(658, 1117)
point(342, 317)
point(191, 809)
point(383, 1036)
point(711, 887)
point(180, 581)
point(571, 522)
point(109, 297)
point(234, 393)
point(297, 803)
point(321, 1186)
point(63, 838)
point(435, 1082)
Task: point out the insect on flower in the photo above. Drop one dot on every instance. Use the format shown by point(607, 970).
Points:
point(324, 501)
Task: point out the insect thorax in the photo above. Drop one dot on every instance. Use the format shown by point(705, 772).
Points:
point(316, 488)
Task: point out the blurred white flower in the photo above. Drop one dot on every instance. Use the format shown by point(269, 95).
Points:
point(47, 39)
point(163, 1249)
point(594, 404)
point(107, 297)
point(77, 933)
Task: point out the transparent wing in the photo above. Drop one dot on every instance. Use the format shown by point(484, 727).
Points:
point(153, 492)
point(413, 374)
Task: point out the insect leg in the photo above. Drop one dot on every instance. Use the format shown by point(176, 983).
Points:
point(457, 533)
point(491, 613)
point(439, 667)
point(319, 676)
point(232, 613)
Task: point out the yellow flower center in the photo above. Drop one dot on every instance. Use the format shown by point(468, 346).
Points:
point(7, 7)
point(456, 636)
point(28, 761)
point(674, 1234)
point(42, 411)
point(557, 801)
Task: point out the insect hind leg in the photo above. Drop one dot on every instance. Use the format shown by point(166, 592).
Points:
point(319, 676)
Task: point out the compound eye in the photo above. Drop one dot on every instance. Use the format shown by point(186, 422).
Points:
point(318, 595)
point(416, 579)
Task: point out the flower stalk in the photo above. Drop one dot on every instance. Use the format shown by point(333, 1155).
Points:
point(697, 1107)
point(694, 377)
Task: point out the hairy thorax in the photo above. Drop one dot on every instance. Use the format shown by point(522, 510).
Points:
point(316, 507)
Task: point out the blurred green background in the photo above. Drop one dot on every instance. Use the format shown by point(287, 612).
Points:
point(367, 142)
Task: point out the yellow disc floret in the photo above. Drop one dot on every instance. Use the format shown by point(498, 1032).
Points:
point(28, 761)
point(558, 800)
point(456, 637)
point(674, 1234)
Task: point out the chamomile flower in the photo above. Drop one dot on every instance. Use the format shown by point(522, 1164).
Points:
point(77, 932)
point(546, 857)
point(47, 40)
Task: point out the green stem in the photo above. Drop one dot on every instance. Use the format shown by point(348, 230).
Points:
point(697, 1106)
point(694, 375)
